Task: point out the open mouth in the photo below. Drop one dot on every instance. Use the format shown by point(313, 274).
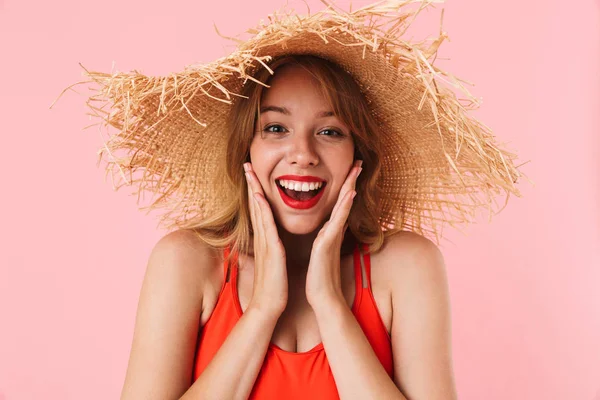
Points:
point(305, 192)
point(300, 195)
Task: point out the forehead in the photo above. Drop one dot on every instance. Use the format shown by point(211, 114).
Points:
point(292, 86)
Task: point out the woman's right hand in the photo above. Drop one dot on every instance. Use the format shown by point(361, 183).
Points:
point(270, 288)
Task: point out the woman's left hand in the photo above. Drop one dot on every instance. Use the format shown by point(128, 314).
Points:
point(323, 280)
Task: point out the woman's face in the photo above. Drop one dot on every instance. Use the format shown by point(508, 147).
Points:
point(293, 137)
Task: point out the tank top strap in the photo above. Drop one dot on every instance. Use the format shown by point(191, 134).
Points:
point(225, 264)
point(361, 276)
point(366, 255)
point(362, 267)
point(229, 273)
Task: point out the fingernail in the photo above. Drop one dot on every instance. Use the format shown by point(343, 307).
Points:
point(360, 163)
point(359, 171)
point(247, 175)
point(246, 167)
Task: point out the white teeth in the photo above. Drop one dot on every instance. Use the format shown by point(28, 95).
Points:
point(300, 186)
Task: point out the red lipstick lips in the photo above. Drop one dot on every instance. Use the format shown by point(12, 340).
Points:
point(300, 178)
point(300, 204)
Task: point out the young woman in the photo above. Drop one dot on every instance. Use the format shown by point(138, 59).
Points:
point(287, 323)
point(302, 172)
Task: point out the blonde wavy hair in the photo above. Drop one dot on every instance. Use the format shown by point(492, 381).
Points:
point(231, 225)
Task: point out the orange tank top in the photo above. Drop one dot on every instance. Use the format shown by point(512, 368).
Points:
point(291, 375)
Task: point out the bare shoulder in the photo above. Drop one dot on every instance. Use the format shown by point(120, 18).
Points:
point(408, 255)
point(188, 263)
point(413, 267)
point(187, 257)
point(421, 323)
point(407, 244)
point(180, 268)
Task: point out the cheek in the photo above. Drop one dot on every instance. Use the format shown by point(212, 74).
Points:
point(266, 151)
point(340, 165)
point(341, 161)
point(343, 156)
point(263, 159)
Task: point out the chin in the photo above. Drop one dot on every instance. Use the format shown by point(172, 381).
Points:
point(300, 225)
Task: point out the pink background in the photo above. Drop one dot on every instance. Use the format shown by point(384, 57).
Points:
point(525, 290)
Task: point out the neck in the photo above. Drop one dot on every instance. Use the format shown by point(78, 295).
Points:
point(299, 247)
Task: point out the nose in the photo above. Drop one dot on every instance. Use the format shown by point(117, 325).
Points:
point(301, 151)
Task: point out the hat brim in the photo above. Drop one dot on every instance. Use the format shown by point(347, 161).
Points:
point(440, 165)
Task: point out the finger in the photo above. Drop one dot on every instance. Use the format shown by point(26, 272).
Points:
point(266, 214)
point(257, 224)
point(254, 182)
point(256, 189)
point(337, 224)
point(258, 219)
point(251, 205)
point(268, 220)
point(338, 221)
point(349, 184)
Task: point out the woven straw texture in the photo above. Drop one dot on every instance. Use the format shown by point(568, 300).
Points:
point(440, 165)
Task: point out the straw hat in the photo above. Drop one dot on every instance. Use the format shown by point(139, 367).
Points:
point(440, 165)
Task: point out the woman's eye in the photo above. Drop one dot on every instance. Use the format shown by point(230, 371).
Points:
point(335, 133)
point(267, 129)
point(328, 132)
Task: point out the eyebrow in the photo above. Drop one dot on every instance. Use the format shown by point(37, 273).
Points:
point(285, 111)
